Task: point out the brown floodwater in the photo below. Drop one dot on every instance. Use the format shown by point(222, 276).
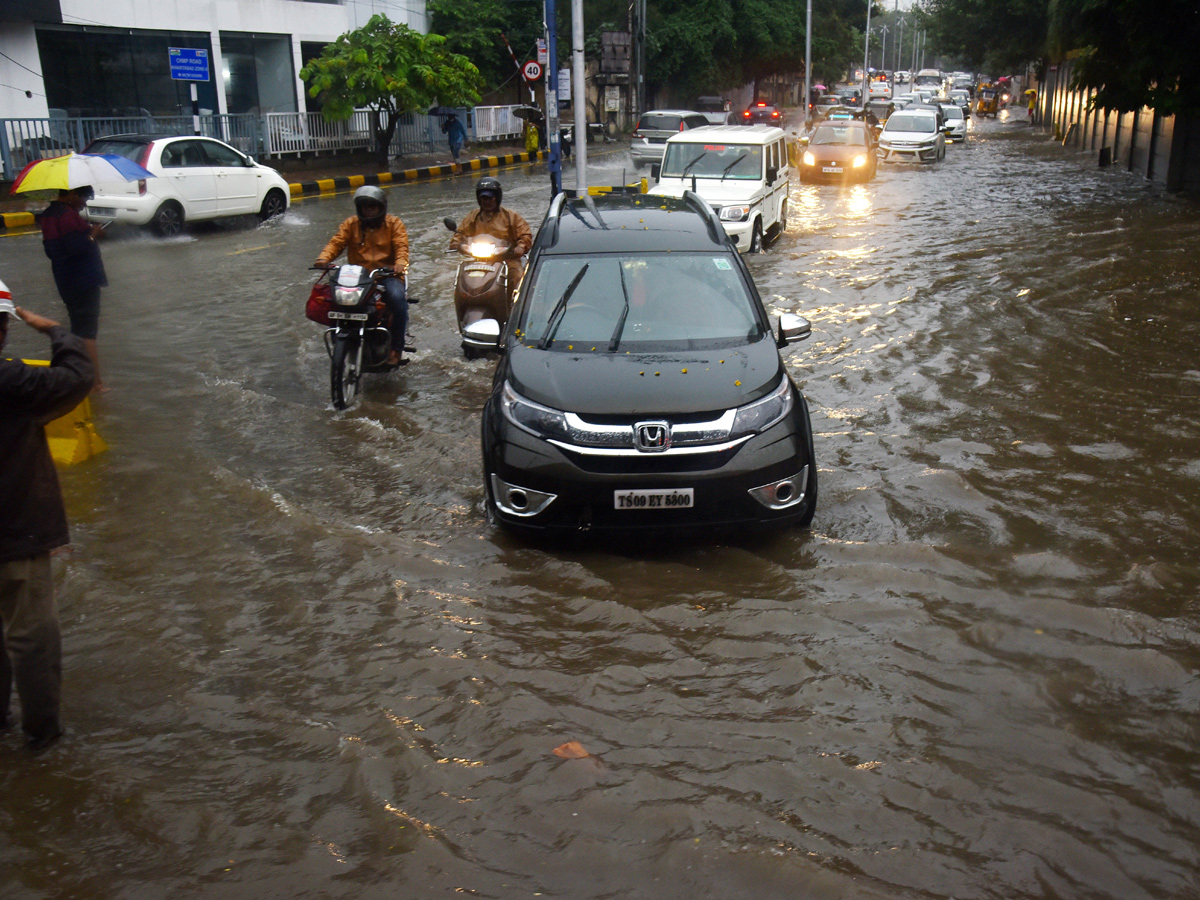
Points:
point(300, 663)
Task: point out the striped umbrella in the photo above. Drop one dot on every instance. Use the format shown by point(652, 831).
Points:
point(75, 170)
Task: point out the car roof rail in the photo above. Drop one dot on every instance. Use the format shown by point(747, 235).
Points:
point(715, 229)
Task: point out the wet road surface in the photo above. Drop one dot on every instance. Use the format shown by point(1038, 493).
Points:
point(301, 664)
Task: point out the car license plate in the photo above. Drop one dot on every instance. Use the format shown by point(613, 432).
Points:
point(836, 169)
point(102, 211)
point(352, 317)
point(679, 498)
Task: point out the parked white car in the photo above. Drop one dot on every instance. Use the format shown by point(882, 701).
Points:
point(196, 178)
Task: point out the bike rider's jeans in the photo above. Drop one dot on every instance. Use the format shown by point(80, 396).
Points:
point(395, 297)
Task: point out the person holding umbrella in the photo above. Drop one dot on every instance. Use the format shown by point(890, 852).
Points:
point(70, 242)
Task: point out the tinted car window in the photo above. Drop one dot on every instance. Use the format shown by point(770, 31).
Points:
point(131, 150)
point(902, 121)
point(729, 161)
point(658, 122)
point(674, 300)
point(220, 155)
point(839, 134)
point(183, 154)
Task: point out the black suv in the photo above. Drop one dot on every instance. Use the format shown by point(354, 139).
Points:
point(640, 384)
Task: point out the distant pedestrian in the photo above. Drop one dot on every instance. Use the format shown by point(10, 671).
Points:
point(455, 133)
point(70, 242)
point(34, 521)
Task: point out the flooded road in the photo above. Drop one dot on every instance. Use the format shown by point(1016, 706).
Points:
point(299, 663)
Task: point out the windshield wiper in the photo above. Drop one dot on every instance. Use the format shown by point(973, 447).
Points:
point(560, 308)
point(616, 335)
point(688, 167)
point(725, 171)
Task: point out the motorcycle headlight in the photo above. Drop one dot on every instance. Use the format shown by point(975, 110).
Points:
point(809, 159)
point(762, 414)
point(347, 296)
point(735, 213)
point(860, 160)
point(540, 421)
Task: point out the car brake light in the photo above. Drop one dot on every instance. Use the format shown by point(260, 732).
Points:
point(144, 156)
point(760, 103)
point(775, 115)
point(681, 126)
point(141, 187)
point(746, 114)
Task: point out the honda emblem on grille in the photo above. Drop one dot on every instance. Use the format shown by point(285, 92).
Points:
point(652, 437)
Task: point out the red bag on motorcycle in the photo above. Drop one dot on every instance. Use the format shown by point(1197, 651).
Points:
point(320, 302)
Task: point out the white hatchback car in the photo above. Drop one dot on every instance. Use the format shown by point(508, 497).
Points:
point(196, 178)
point(912, 135)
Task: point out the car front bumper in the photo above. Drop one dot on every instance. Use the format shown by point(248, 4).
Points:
point(907, 153)
point(574, 492)
point(647, 152)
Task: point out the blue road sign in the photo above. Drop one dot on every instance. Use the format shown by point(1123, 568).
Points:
point(188, 64)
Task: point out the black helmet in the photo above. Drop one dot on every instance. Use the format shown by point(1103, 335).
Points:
point(489, 185)
point(370, 194)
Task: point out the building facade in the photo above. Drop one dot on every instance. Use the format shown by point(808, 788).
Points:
point(113, 57)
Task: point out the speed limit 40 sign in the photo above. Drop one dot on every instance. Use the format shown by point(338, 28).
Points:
point(532, 70)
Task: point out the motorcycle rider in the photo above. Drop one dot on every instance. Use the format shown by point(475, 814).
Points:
point(372, 238)
point(494, 220)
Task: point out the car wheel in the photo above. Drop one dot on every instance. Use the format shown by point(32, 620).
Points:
point(274, 204)
point(168, 219)
point(756, 237)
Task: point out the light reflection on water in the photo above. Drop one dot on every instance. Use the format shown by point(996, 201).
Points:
point(301, 663)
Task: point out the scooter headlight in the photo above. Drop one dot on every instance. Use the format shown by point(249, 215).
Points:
point(483, 249)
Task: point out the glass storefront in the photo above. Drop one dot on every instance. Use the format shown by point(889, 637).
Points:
point(109, 72)
point(258, 73)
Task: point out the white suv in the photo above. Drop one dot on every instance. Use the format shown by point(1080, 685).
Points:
point(195, 178)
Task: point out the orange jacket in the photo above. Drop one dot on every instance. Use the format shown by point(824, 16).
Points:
point(504, 224)
point(386, 245)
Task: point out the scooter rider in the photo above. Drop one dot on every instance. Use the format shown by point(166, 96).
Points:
point(372, 239)
point(493, 219)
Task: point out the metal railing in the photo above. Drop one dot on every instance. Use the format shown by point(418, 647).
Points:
point(269, 136)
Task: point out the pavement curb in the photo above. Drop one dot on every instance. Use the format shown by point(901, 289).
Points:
point(345, 182)
point(16, 220)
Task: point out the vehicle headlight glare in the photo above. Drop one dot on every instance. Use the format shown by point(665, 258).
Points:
point(540, 421)
point(762, 414)
point(809, 159)
point(735, 213)
point(860, 161)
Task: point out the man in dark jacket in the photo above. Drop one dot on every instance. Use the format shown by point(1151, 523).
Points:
point(70, 242)
point(34, 521)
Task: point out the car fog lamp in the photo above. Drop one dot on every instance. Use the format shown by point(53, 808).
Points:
point(782, 494)
point(809, 159)
point(519, 501)
point(760, 415)
point(735, 213)
point(540, 421)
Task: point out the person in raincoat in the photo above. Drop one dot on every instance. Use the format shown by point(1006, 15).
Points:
point(455, 133)
point(493, 219)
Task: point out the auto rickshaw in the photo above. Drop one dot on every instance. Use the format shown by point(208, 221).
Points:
point(987, 100)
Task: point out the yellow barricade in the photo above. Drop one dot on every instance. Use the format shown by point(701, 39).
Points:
point(72, 437)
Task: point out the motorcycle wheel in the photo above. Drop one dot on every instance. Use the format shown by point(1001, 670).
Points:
point(343, 373)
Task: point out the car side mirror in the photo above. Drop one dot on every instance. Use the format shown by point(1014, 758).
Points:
point(772, 174)
point(450, 224)
point(655, 170)
point(483, 334)
point(792, 329)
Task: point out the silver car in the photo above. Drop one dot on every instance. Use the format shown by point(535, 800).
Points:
point(653, 129)
point(912, 135)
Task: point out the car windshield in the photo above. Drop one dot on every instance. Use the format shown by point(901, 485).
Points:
point(728, 161)
point(903, 121)
point(644, 301)
point(953, 112)
point(131, 150)
point(653, 122)
point(839, 134)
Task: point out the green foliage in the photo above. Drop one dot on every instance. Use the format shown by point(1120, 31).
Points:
point(474, 28)
point(390, 69)
point(991, 37)
point(1132, 53)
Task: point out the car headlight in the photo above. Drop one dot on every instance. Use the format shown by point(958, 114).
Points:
point(809, 159)
point(860, 160)
point(735, 213)
point(762, 414)
point(540, 421)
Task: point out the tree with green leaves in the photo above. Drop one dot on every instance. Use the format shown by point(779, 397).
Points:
point(993, 37)
point(391, 70)
point(477, 28)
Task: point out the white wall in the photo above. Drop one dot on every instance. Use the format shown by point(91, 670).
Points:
point(19, 42)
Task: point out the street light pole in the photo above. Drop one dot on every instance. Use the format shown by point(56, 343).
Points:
point(866, 52)
point(808, 67)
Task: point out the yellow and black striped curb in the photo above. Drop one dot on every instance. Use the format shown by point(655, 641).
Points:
point(341, 183)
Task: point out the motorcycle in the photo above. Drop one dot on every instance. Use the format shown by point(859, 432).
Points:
point(481, 293)
point(349, 300)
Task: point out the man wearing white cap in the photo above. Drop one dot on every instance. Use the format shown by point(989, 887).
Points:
point(34, 520)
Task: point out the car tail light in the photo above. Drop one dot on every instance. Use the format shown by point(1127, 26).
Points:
point(144, 157)
point(681, 125)
point(775, 115)
point(141, 187)
point(746, 114)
